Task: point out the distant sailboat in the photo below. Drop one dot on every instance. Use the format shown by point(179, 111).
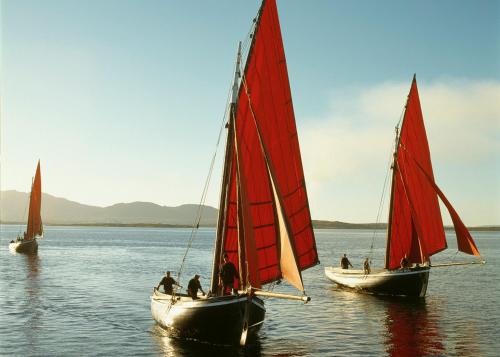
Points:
point(264, 222)
point(27, 242)
point(415, 228)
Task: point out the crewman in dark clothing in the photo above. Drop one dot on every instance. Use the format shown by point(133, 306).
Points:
point(193, 286)
point(404, 262)
point(168, 282)
point(227, 275)
point(344, 262)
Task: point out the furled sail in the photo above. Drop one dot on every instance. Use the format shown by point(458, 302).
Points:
point(267, 224)
point(415, 223)
point(34, 226)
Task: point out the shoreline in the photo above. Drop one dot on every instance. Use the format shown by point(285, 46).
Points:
point(316, 225)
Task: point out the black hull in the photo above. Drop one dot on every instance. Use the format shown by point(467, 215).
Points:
point(25, 246)
point(217, 320)
point(408, 283)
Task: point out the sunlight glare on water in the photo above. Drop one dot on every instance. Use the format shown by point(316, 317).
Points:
point(87, 292)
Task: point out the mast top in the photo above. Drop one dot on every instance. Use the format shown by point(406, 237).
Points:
point(237, 75)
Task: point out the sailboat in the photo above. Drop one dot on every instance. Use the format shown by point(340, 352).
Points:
point(264, 223)
point(26, 243)
point(415, 229)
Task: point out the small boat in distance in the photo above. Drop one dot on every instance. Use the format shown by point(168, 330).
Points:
point(415, 230)
point(264, 223)
point(27, 243)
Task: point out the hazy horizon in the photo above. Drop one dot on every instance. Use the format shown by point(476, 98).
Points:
point(383, 220)
point(122, 100)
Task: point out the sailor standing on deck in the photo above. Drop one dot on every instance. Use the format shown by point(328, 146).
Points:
point(193, 287)
point(228, 274)
point(366, 266)
point(168, 282)
point(344, 262)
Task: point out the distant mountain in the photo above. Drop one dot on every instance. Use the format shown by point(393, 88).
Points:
point(344, 225)
point(55, 210)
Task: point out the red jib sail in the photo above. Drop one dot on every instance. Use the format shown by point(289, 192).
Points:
point(268, 227)
point(465, 243)
point(34, 226)
point(415, 223)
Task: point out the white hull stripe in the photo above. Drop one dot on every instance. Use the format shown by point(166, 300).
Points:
point(334, 272)
point(203, 303)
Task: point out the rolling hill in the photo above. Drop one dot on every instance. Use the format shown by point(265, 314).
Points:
point(56, 210)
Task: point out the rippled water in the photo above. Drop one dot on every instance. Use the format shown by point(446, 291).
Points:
point(87, 293)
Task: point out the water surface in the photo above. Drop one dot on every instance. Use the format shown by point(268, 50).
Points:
point(87, 293)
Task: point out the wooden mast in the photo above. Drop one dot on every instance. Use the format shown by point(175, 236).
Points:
point(228, 167)
point(394, 168)
point(31, 216)
point(242, 253)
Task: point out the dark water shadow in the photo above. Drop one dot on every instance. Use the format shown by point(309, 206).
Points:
point(169, 346)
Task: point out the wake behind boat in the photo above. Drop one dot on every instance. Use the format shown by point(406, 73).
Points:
point(264, 226)
point(27, 242)
point(415, 230)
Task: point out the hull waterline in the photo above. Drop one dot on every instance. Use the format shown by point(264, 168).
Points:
point(410, 282)
point(218, 320)
point(24, 247)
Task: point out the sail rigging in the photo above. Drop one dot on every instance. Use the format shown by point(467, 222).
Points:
point(415, 223)
point(415, 229)
point(34, 225)
point(266, 225)
point(465, 243)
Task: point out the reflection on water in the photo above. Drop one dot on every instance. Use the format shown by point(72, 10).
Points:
point(32, 303)
point(33, 265)
point(87, 293)
point(410, 329)
point(177, 347)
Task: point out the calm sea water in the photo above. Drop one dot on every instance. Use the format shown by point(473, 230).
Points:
point(87, 294)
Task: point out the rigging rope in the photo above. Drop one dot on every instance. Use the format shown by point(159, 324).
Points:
point(24, 215)
point(384, 188)
point(199, 213)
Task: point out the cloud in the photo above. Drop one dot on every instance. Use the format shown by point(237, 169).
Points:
point(462, 119)
point(347, 150)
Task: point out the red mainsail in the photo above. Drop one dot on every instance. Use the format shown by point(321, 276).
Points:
point(34, 226)
point(415, 223)
point(267, 222)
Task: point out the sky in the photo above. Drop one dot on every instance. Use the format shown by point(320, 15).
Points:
point(122, 100)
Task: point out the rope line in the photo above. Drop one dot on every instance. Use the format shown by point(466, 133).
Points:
point(199, 212)
point(245, 48)
point(384, 189)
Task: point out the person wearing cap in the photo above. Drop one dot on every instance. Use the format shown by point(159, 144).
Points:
point(227, 275)
point(168, 282)
point(193, 286)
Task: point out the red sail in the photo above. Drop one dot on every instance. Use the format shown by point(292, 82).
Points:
point(34, 226)
point(272, 198)
point(465, 242)
point(416, 225)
